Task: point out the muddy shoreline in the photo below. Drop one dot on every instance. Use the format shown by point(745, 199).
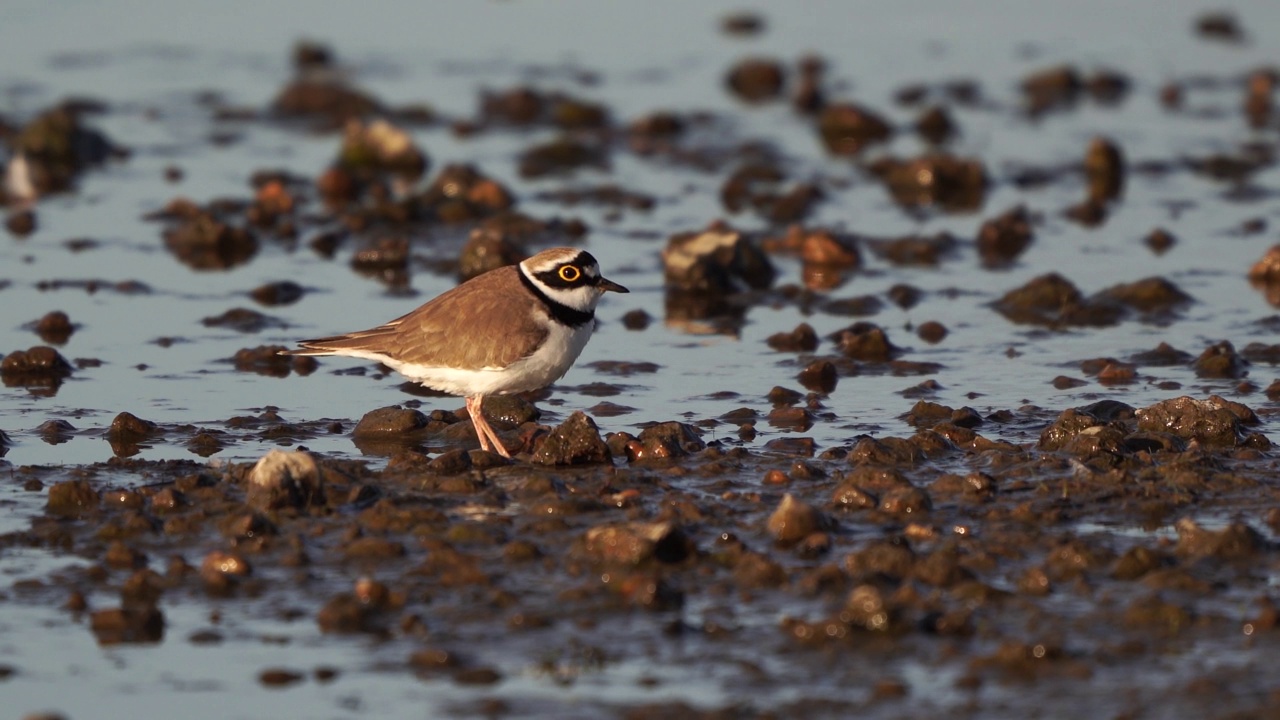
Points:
point(934, 393)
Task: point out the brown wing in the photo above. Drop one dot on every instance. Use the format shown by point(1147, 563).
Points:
point(485, 322)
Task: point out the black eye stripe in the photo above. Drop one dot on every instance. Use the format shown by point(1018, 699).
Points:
point(556, 278)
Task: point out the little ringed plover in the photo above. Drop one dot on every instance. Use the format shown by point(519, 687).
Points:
point(510, 330)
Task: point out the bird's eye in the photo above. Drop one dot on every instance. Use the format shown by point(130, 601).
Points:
point(570, 273)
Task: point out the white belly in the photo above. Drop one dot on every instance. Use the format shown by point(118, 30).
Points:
point(548, 364)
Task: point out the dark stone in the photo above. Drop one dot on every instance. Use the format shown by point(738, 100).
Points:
point(576, 441)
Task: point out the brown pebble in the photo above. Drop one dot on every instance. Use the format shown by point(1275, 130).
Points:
point(636, 320)
point(794, 520)
point(76, 602)
point(1104, 167)
point(285, 292)
point(72, 498)
point(55, 327)
point(21, 223)
point(932, 332)
point(742, 23)
point(220, 570)
point(847, 129)
point(756, 79)
point(122, 556)
point(1267, 268)
point(802, 339)
point(1160, 241)
point(776, 477)
point(889, 689)
point(935, 125)
point(576, 441)
point(279, 677)
point(434, 659)
point(112, 626)
point(819, 376)
point(1003, 238)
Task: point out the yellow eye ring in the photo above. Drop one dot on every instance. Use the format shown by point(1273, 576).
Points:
point(570, 273)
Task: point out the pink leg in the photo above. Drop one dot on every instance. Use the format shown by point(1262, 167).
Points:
point(484, 432)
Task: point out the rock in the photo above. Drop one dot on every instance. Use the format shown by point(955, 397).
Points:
point(848, 129)
point(72, 498)
point(1234, 542)
point(576, 441)
point(866, 342)
point(389, 421)
point(279, 677)
point(868, 609)
point(373, 548)
point(1201, 420)
point(127, 428)
point(242, 320)
point(757, 79)
point(742, 23)
point(55, 327)
point(452, 462)
point(571, 113)
point(1220, 25)
point(935, 125)
point(56, 148)
point(270, 361)
point(221, 571)
point(562, 156)
point(1161, 240)
point(891, 558)
point(382, 254)
point(375, 147)
point(932, 332)
point(1054, 301)
point(802, 339)
point(511, 409)
point(1220, 361)
point(717, 261)
point(127, 625)
point(794, 520)
point(488, 249)
point(1051, 88)
point(905, 501)
point(344, 613)
point(517, 106)
point(944, 180)
point(667, 440)
point(320, 92)
point(915, 250)
point(631, 544)
point(1104, 168)
point(809, 97)
point(1153, 295)
point(284, 292)
point(819, 376)
point(22, 222)
point(285, 480)
point(1003, 238)
point(827, 249)
point(33, 366)
point(204, 242)
point(462, 193)
point(1267, 269)
point(122, 556)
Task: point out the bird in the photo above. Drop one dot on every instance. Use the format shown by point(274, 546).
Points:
point(512, 329)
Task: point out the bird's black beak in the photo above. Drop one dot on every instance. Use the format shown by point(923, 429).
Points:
point(606, 284)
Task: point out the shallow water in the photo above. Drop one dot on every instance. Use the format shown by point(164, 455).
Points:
point(151, 62)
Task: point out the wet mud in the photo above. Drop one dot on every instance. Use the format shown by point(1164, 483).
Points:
point(1102, 541)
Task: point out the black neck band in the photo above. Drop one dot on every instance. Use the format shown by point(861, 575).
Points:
point(565, 314)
